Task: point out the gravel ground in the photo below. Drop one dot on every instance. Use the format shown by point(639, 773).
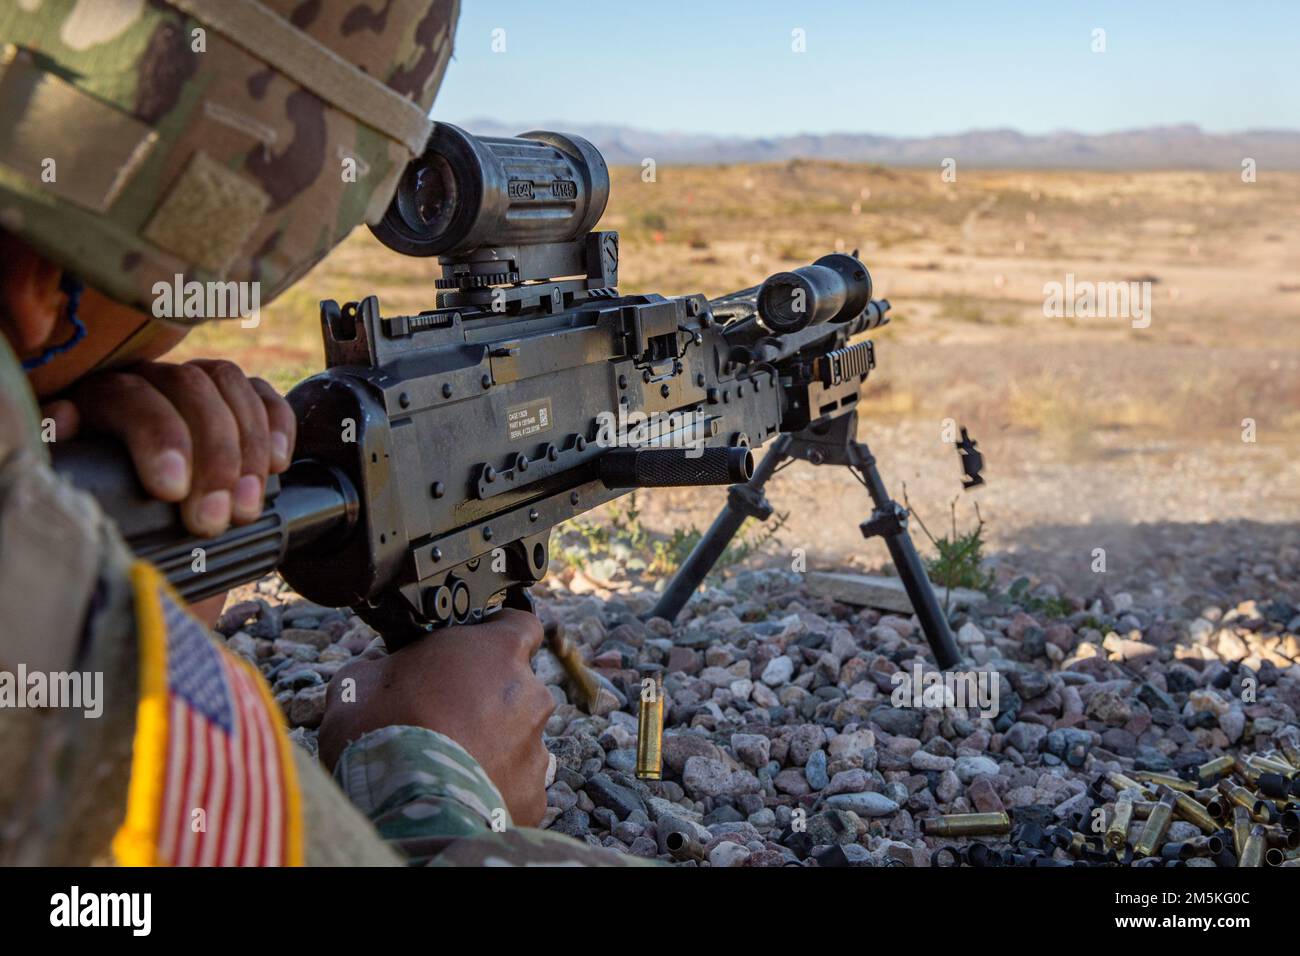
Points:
point(781, 742)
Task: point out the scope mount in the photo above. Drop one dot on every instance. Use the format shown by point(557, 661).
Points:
point(511, 278)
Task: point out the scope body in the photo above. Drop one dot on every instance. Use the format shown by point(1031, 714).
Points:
point(835, 288)
point(466, 193)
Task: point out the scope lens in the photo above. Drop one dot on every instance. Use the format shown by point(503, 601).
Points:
point(426, 197)
point(784, 303)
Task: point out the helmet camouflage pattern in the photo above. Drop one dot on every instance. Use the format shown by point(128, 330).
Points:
point(219, 140)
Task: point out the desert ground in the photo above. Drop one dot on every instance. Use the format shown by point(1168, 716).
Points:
point(1163, 444)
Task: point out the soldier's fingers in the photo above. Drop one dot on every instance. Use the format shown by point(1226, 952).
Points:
point(281, 420)
point(130, 409)
point(215, 435)
point(524, 629)
point(254, 435)
point(63, 413)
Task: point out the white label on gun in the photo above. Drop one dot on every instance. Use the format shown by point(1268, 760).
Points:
point(530, 418)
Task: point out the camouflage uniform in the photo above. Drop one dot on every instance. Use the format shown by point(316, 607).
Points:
point(214, 164)
point(229, 162)
point(428, 797)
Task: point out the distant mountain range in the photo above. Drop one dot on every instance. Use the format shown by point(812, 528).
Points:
point(1157, 147)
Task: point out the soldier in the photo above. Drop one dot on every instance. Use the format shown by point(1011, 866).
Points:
point(142, 144)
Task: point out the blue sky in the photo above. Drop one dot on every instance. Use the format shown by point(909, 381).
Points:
point(886, 66)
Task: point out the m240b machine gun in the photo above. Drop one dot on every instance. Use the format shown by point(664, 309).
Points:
point(436, 451)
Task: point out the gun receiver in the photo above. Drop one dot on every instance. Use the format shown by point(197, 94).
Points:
point(437, 451)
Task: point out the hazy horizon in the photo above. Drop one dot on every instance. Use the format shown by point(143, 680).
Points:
point(467, 122)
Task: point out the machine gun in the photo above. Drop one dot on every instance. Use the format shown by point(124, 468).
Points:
point(436, 451)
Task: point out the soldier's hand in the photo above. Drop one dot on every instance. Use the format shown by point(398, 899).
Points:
point(202, 434)
point(473, 683)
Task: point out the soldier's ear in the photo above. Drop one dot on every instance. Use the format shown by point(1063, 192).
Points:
point(29, 294)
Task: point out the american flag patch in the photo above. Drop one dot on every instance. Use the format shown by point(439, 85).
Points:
point(212, 778)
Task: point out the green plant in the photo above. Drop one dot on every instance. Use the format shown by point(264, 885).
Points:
point(583, 541)
point(1051, 606)
point(961, 554)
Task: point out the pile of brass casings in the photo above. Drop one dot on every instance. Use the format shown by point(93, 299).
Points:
point(1247, 809)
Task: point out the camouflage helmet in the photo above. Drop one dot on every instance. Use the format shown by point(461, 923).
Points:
point(218, 140)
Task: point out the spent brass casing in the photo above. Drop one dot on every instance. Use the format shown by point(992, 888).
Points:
point(1242, 768)
point(566, 652)
point(1198, 846)
point(1079, 846)
point(1117, 832)
point(1240, 829)
point(1142, 809)
point(1242, 797)
point(683, 846)
point(1291, 750)
point(1166, 780)
point(1193, 812)
point(1252, 854)
point(1157, 825)
point(1121, 782)
point(1212, 770)
point(650, 736)
point(967, 824)
point(1273, 765)
point(1281, 837)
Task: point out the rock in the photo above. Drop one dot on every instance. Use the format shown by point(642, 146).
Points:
point(1108, 707)
point(854, 780)
point(1233, 724)
point(1025, 737)
point(948, 787)
point(830, 828)
point(898, 721)
point(1069, 744)
point(814, 771)
point(236, 616)
point(983, 797)
point(604, 792)
point(295, 650)
point(968, 768)
point(753, 749)
point(308, 707)
point(778, 671)
point(865, 804)
point(728, 854)
point(678, 748)
point(243, 645)
point(806, 740)
point(1029, 684)
point(924, 760)
point(791, 781)
point(857, 749)
point(704, 777)
point(312, 638)
point(572, 822)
